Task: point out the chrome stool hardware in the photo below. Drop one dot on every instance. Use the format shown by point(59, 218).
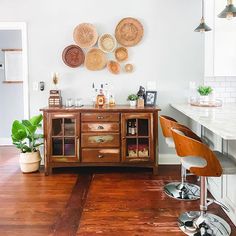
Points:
point(196, 223)
point(180, 191)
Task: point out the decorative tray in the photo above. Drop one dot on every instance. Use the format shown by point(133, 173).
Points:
point(216, 103)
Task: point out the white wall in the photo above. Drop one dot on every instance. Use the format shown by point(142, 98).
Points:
point(170, 53)
point(11, 95)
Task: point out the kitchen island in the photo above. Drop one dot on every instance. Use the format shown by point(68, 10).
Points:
point(218, 124)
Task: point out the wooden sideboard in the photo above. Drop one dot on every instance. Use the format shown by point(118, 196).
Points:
point(89, 136)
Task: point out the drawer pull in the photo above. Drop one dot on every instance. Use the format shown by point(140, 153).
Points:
point(100, 127)
point(100, 156)
point(101, 140)
point(100, 117)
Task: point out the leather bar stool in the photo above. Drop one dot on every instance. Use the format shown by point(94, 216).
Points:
point(200, 160)
point(178, 190)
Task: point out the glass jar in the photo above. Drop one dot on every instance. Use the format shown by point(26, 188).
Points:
point(69, 102)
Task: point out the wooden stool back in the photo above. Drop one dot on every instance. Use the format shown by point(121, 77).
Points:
point(168, 122)
point(187, 145)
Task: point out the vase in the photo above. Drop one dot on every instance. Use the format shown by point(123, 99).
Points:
point(30, 161)
point(203, 99)
point(133, 103)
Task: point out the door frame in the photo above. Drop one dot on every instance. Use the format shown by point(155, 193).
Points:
point(23, 27)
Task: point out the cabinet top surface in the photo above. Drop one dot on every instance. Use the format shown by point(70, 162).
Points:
point(117, 108)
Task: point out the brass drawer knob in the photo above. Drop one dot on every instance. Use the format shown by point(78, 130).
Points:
point(101, 140)
point(100, 156)
point(100, 127)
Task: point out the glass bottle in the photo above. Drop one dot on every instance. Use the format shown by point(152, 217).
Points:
point(101, 98)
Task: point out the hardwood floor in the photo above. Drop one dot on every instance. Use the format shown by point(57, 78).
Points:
point(89, 201)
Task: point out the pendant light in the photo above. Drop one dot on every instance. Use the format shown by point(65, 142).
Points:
point(229, 12)
point(203, 27)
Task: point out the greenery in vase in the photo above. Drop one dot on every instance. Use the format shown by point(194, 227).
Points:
point(204, 90)
point(24, 135)
point(132, 97)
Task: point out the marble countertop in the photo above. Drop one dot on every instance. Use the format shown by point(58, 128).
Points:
point(219, 120)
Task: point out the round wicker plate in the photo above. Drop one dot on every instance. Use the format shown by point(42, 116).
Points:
point(95, 59)
point(113, 67)
point(129, 32)
point(107, 43)
point(73, 56)
point(129, 68)
point(85, 35)
point(121, 54)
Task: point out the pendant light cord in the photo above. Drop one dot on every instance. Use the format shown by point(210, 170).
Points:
point(203, 9)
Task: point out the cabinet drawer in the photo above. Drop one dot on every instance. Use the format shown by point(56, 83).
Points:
point(105, 140)
point(101, 155)
point(100, 127)
point(100, 117)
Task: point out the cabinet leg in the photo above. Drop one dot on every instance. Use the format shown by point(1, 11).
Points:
point(155, 170)
point(48, 171)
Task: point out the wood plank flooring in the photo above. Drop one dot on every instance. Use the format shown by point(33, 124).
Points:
point(89, 201)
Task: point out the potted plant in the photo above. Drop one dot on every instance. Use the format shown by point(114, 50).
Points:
point(132, 98)
point(25, 138)
point(204, 92)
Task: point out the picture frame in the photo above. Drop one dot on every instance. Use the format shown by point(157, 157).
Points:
point(150, 98)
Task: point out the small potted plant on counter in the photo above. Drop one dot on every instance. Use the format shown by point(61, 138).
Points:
point(132, 98)
point(204, 92)
point(24, 137)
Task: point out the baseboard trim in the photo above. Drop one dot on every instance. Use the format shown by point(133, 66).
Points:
point(5, 142)
point(168, 159)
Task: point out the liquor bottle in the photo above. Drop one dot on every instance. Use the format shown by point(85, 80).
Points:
point(100, 98)
point(129, 128)
point(133, 128)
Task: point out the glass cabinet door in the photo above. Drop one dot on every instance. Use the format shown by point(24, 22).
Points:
point(137, 137)
point(64, 138)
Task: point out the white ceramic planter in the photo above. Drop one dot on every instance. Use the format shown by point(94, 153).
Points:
point(204, 99)
point(30, 161)
point(133, 103)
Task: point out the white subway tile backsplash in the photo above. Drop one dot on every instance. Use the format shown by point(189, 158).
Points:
point(210, 79)
point(230, 89)
point(220, 79)
point(229, 100)
point(224, 88)
point(220, 89)
point(233, 95)
point(230, 79)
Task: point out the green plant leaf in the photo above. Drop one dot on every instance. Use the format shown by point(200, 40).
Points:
point(204, 90)
point(38, 136)
point(38, 144)
point(132, 97)
point(30, 128)
point(18, 131)
point(36, 120)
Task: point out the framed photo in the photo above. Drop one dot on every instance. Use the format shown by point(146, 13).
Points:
point(151, 97)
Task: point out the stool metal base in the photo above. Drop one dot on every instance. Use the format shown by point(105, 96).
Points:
point(180, 191)
point(195, 223)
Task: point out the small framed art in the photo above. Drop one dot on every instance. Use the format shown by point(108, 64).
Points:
point(151, 97)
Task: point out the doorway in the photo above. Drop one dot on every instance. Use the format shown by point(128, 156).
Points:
point(14, 98)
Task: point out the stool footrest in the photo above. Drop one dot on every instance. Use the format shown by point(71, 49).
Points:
point(211, 200)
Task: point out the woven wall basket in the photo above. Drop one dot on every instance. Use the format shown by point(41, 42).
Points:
point(95, 59)
point(73, 56)
point(113, 67)
point(121, 54)
point(107, 43)
point(85, 35)
point(129, 32)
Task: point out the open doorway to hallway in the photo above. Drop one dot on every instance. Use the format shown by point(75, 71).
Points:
point(14, 102)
